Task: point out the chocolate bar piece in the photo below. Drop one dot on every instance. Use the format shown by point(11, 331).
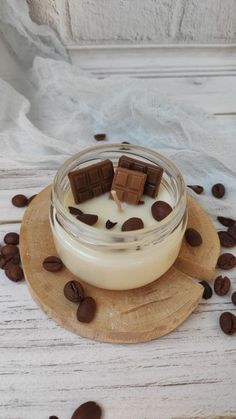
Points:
point(154, 173)
point(91, 181)
point(128, 185)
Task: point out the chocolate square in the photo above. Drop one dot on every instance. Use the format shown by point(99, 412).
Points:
point(129, 185)
point(154, 173)
point(91, 181)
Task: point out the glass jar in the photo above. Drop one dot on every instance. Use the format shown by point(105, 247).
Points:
point(118, 260)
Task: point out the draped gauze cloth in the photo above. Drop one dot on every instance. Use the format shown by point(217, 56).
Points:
point(53, 110)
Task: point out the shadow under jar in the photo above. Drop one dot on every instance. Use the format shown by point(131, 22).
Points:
point(114, 259)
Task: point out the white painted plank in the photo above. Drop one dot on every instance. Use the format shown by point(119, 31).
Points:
point(46, 370)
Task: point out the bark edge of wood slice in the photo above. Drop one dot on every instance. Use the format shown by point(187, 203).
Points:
point(144, 314)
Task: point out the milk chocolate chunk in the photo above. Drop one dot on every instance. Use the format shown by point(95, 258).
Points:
point(129, 185)
point(154, 173)
point(91, 181)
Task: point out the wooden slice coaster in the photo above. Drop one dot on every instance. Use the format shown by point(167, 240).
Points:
point(122, 316)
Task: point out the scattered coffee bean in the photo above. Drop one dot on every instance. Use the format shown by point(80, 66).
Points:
point(110, 224)
point(232, 232)
point(227, 222)
point(226, 261)
point(74, 291)
point(141, 202)
point(9, 260)
point(196, 188)
point(53, 417)
point(133, 223)
point(15, 273)
point(31, 199)
point(89, 219)
point(222, 285)
point(52, 264)
point(9, 250)
point(19, 201)
point(226, 240)
point(125, 142)
point(233, 298)
point(218, 190)
point(207, 293)
point(228, 323)
point(11, 238)
point(192, 237)
point(88, 410)
point(75, 211)
point(100, 137)
point(160, 210)
point(86, 310)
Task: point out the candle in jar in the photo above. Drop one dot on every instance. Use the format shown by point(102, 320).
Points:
point(115, 259)
point(106, 209)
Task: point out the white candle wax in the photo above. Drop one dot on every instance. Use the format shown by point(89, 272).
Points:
point(106, 209)
point(111, 268)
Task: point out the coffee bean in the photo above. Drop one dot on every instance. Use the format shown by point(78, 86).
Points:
point(196, 188)
point(9, 260)
point(226, 240)
point(207, 293)
point(233, 298)
point(218, 190)
point(88, 410)
point(110, 224)
point(141, 202)
point(9, 250)
point(232, 232)
point(75, 211)
point(31, 199)
point(226, 261)
point(192, 237)
point(15, 273)
point(73, 291)
point(89, 219)
point(228, 323)
point(160, 210)
point(53, 417)
point(133, 223)
point(222, 285)
point(100, 137)
point(227, 222)
point(86, 310)
point(125, 142)
point(19, 201)
point(52, 264)
point(11, 238)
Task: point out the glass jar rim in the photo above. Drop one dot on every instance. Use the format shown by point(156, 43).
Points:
point(90, 233)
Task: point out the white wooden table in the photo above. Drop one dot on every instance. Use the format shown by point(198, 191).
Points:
point(45, 370)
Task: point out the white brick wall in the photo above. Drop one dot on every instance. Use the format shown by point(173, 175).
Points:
point(158, 21)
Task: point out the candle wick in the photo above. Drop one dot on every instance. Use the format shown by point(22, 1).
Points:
point(117, 201)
